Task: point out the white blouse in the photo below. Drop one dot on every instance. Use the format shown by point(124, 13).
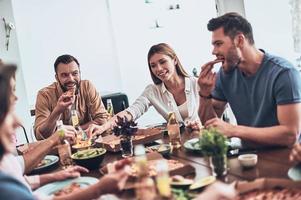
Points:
point(158, 96)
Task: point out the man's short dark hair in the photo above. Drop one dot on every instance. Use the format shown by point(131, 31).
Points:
point(233, 24)
point(65, 59)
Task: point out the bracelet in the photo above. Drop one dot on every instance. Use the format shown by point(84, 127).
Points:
point(205, 97)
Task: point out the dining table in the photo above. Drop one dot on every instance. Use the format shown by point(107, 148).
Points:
point(272, 163)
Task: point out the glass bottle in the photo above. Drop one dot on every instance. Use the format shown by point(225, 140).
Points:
point(110, 108)
point(64, 149)
point(173, 129)
point(145, 186)
point(81, 135)
point(111, 113)
point(162, 179)
point(74, 118)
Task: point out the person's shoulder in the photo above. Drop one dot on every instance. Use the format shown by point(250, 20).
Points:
point(153, 86)
point(50, 89)
point(12, 188)
point(279, 62)
point(87, 84)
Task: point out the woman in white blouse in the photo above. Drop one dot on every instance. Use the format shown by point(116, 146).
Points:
point(173, 90)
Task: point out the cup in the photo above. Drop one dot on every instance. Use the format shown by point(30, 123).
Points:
point(126, 147)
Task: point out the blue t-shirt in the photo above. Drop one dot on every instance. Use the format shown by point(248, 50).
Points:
point(254, 99)
point(12, 189)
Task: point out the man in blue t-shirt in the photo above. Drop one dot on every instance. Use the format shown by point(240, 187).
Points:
point(264, 91)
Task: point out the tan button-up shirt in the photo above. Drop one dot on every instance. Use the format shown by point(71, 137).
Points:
point(88, 104)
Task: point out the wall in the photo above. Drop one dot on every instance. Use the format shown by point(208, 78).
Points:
point(272, 27)
point(47, 29)
point(12, 55)
point(134, 30)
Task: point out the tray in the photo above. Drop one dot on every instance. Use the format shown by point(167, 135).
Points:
point(143, 136)
point(243, 187)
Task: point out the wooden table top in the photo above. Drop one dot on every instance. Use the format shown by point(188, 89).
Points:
point(271, 163)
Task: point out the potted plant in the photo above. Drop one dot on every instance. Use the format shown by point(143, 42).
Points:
point(214, 145)
point(125, 129)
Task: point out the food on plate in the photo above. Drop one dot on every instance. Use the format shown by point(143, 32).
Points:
point(68, 189)
point(202, 182)
point(44, 162)
point(276, 193)
point(177, 178)
point(80, 144)
point(152, 164)
point(88, 153)
point(162, 148)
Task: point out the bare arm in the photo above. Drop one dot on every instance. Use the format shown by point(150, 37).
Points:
point(46, 120)
point(289, 117)
point(96, 129)
point(48, 127)
point(37, 153)
point(210, 108)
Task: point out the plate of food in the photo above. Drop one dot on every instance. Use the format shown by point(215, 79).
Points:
point(163, 127)
point(193, 145)
point(180, 181)
point(48, 162)
point(202, 183)
point(163, 149)
point(60, 188)
point(89, 158)
point(82, 144)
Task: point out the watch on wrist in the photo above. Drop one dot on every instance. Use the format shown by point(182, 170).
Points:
point(205, 97)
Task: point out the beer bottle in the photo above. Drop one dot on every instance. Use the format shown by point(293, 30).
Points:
point(173, 129)
point(64, 149)
point(162, 179)
point(145, 186)
point(110, 108)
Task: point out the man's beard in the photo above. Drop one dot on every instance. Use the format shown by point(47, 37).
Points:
point(65, 89)
point(233, 59)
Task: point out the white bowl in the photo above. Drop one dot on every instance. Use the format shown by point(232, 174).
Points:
point(248, 160)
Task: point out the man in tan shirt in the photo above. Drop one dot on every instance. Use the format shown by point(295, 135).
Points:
point(56, 101)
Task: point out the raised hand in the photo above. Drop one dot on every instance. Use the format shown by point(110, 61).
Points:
point(207, 78)
point(64, 102)
point(223, 127)
point(94, 129)
point(71, 172)
point(295, 155)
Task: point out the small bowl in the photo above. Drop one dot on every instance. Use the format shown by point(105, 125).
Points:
point(89, 158)
point(248, 160)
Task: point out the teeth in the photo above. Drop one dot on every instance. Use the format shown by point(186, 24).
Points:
point(161, 74)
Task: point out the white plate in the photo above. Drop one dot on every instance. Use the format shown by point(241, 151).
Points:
point(51, 188)
point(294, 173)
point(202, 182)
point(53, 160)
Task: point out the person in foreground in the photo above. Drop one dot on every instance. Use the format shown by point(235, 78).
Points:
point(55, 101)
point(264, 91)
point(172, 86)
point(12, 186)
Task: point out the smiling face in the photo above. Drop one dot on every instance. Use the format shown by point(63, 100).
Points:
point(8, 131)
point(68, 76)
point(224, 48)
point(11, 122)
point(163, 66)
